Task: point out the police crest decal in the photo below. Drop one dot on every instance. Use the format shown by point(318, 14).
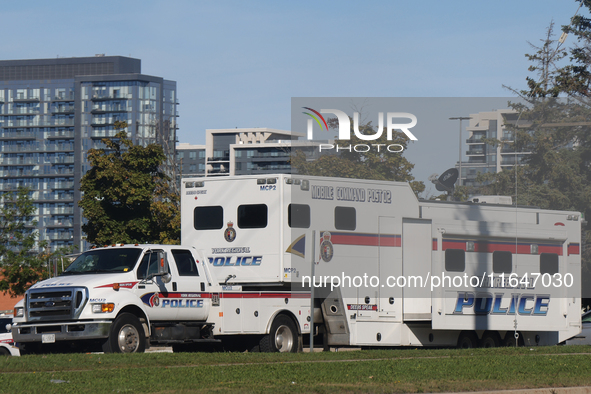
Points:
point(326, 249)
point(230, 232)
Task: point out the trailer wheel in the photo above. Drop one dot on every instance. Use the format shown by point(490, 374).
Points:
point(282, 338)
point(490, 339)
point(467, 340)
point(126, 335)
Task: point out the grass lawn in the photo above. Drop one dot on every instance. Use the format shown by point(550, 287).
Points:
point(397, 370)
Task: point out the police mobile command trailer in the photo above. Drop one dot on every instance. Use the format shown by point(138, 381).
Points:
point(388, 270)
point(384, 268)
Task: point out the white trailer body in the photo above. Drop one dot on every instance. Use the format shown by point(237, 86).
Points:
point(261, 233)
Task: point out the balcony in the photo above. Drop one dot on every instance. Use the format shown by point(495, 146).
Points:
point(63, 134)
point(23, 112)
point(65, 111)
point(100, 97)
point(62, 160)
point(99, 111)
point(60, 211)
point(475, 139)
point(51, 123)
point(100, 134)
point(473, 152)
point(60, 236)
point(18, 135)
point(19, 161)
point(218, 171)
point(21, 99)
point(56, 223)
point(63, 98)
point(61, 186)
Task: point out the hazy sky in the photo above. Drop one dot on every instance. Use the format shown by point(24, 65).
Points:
point(239, 63)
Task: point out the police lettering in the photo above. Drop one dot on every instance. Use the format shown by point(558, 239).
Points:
point(487, 303)
point(182, 303)
point(235, 261)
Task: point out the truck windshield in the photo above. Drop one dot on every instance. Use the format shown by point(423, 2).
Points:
point(104, 261)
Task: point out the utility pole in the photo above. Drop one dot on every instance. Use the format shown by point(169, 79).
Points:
point(460, 118)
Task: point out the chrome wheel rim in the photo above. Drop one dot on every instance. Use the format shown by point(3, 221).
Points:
point(128, 339)
point(283, 339)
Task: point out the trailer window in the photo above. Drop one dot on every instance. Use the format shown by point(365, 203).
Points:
point(185, 263)
point(345, 218)
point(298, 216)
point(548, 263)
point(455, 260)
point(502, 262)
point(252, 216)
point(208, 218)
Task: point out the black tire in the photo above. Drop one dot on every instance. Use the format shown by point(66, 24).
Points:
point(126, 336)
point(467, 340)
point(30, 348)
point(490, 339)
point(4, 351)
point(283, 337)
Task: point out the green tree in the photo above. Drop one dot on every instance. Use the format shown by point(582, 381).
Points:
point(373, 164)
point(23, 260)
point(555, 126)
point(127, 197)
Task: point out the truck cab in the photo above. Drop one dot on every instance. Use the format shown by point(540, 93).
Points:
point(122, 297)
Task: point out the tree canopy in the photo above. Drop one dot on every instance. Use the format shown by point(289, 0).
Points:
point(23, 260)
point(555, 126)
point(127, 197)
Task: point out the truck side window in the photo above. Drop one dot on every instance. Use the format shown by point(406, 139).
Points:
point(185, 263)
point(502, 262)
point(148, 266)
point(548, 263)
point(455, 260)
point(345, 218)
point(208, 218)
point(252, 216)
point(298, 216)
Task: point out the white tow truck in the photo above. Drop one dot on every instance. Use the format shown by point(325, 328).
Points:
point(385, 268)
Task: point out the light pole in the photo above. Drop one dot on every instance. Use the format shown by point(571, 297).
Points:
point(460, 118)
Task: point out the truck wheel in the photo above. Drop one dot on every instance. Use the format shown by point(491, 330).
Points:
point(4, 351)
point(126, 335)
point(467, 340)
point(490, 339)
point(282, 338)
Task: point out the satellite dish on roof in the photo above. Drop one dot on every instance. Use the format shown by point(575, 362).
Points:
point(447, 180)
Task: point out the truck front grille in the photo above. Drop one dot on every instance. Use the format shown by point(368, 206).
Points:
point(56, 304)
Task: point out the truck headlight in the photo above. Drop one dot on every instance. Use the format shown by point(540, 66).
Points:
point(103, 308)
point(19, 312)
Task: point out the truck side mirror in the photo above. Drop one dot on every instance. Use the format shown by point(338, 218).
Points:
point(163, 267)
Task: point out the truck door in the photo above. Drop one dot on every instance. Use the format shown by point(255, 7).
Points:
point(153, 292)
point(189, 290)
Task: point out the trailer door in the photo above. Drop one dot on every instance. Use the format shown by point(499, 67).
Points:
point(390, 297)
point(416, 267)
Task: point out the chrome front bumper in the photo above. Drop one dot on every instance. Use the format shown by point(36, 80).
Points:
point(56, 331)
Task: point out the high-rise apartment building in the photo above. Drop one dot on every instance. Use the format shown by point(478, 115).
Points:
point(243, 151)
point(486, 158)
point(52, 111)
